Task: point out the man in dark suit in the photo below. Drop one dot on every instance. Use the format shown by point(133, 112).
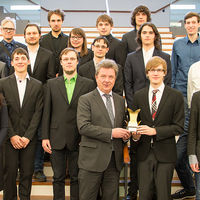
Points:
point(162, 118)
point(8, 44)
point(140, 15)
point(55, 40)
point(135, 79)
point(24, 99)
point(100, 47)
point(193, 146)
point(104, 24)
point(100, 119)
point(42, 68)
point(59, 129)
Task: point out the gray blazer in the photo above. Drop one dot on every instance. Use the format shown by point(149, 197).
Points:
point(95, 128)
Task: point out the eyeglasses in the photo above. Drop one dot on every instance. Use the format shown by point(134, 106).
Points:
point(76, 37)
point(100, 46)
point(156, 70)
point(8, 29)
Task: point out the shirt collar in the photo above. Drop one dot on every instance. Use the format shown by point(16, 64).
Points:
point(102, 93)
point(27, 76)
point(7, 43)
point(160, 89)
point(149, 51)
point(197, 40)
point(60, 35)
point(72, 79)
point(32, 51)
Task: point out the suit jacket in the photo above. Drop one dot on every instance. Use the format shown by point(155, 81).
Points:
point(194, 129)
point(116, 50)
point(168, 122)
point(88, 70)
point(47, 42)
point(135, 76)
point(129, 41)
point(3, 56)
point(44, 67)
point(95, 128)
point(23, 121)
point(59, 116)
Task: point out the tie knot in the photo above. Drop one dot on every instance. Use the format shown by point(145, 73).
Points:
point(155, 91)
point(107, 96)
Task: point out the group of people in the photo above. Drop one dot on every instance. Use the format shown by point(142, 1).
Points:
point(63, 98)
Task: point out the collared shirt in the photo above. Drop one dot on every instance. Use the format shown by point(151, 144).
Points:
point(33, 56)
point(147, 54)
point(70, 85)
point(184, 54)
point(158, 95)
point(21, 86)
point(193, 81)
point(104, 99)
point(95, 63)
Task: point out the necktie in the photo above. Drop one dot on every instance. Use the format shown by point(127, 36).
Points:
point(109, 108)
point(154, 105)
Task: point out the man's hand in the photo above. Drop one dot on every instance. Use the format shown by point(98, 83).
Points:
point(46, 146)
point(121, 133)
point(16, 142)
point(195, 167)
point(136, 136)
point(146, 130)
point(25, 141)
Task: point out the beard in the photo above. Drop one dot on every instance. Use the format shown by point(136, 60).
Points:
point(69, 72)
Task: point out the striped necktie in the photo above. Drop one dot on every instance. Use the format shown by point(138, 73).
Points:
point(154, 104)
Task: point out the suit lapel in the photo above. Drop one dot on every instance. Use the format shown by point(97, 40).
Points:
point(146, 103)
point(62, 88)
point(92, 70)
point(141, 62)
point(27, 92)
point(14, 89)
point(37, 60)
point(162, 101)
point(77, 88)
point(101, 104)
point(116, 105)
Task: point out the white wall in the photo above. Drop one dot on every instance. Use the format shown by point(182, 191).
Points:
point(161, 19)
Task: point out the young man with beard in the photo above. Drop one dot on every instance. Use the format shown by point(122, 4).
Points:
point(42, 68)
point(8, 44)
point(59, 125)
point(55, 40)
point(100, 47)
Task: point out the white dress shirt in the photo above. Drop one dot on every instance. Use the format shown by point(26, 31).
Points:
point(21, 86)
point(147, 55)
point(193, 81)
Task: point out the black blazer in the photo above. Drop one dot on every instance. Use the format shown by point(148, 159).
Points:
point(59, 116)
point(194, 129)
point(44, 67)
point(169, 122)
point(135, 76)
point(47, 42)
point(23, 121)
point(129, 41)
point(88, 70)
point(95, 128)
point(116, 50)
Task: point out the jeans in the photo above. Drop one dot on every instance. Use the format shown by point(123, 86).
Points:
point(39, 154)
point(197, 182)
point(182, 164)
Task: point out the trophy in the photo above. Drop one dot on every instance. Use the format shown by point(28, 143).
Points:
point(132, 124)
